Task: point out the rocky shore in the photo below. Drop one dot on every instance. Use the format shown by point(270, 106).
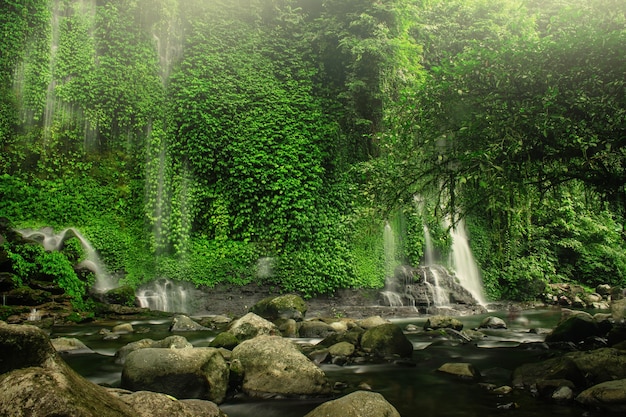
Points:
point(254, 354)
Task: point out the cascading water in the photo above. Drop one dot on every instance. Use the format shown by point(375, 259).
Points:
point(165, 295)
point(463, 262)
point(52, 241)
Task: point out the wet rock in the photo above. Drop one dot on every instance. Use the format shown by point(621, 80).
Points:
point(575, 329)
point(252, 325)
point(123, 328)
point(69, 344)
point(183, 373)
point(604, 290)
point(370, 322)
point(462, 370)
point(224, 340)
point(152, 404)
point(386, 340)
point(171, 342)
point(601, 364)
point(618, 309)
point(275, 366)
point(342, 349)
point(493, 323)
point(353, 336)
point(563, 394)
point(23, 346)
point(315, 329)
point(608, 396)
point(36, 382)
point(182, 323)
point(287, 327)
point(289, 306)
point(356, 404)
point(443, 322)
point(528, 375)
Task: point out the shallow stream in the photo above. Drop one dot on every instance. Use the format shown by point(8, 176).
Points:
point(415, 389)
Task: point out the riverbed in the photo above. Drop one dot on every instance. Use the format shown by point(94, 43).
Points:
point(414, 387)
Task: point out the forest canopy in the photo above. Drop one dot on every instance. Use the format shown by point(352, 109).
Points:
point(190, 139)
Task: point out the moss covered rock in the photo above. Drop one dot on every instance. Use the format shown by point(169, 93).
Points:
point(289, 306)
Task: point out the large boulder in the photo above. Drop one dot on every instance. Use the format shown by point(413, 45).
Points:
point(608, 396)
point(575, 329)
point(200, 373)
point(356, 404)
point(24, 346)
point(35, 381)
point(386, 340)
point(171, 342)
point(274, 365)
point(289, 306)
point(252, 325)
point(600, 365)
point(559, 368)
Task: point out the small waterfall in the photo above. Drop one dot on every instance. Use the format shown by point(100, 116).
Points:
point(52, 241)
point(429, 250)
point(464, 264)
point(165, 295)
point(34, 315)
point(389, 245)
point(440, 295)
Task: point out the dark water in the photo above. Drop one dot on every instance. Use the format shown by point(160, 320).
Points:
point(415, 390)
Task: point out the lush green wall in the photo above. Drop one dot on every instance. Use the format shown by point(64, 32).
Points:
point(190, 138)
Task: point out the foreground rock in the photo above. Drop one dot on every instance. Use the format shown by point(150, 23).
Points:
point(183, 373)
point(36, 382)
point(275, 366)
point(357, 404)
point(608, 396)
point(152, 404)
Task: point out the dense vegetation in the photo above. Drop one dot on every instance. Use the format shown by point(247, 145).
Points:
point(205, 141)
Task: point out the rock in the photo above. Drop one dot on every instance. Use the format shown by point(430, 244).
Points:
point(287, 327)
point(123, 328)
point(503, 390)
point(492, 323)
point(315, 329)
point(23, 346)
point(356, 404)
point(563, 368)
point(123, 295)
point(604, 290)
point(353, 336)
point(462, 370)
point(342, 349)
point(563, 394)
point(171, 342)
point(443, 322)
point(182, 323)
point(575, 329)
point(608, 396)
point(224, 340)
point(370, 322)
point(288, 306)
point(200, 373)
point(386, 340)
point(152, 404)
point(547, 387)
point(35, 381)
point(273, 365)
point(600, 365)
point(618, 309)
point(69, 344)
point(252, 325)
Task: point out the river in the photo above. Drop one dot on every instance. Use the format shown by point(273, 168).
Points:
point(415, 388)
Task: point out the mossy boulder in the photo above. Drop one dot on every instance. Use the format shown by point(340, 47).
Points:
point(386, 340)
point(289, 306)
point(124, 295)
point(575, 329)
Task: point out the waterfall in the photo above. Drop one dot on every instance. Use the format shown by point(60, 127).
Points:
point(463, 262)
point(165, 295)
point(389, 245)
point(55, 242)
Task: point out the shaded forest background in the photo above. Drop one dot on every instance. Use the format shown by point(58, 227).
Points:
point(270, 141)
